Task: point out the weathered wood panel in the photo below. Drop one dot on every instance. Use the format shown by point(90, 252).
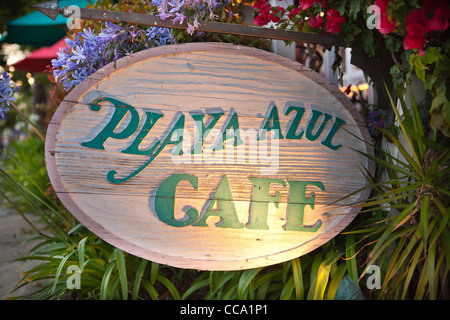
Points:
point(193, 80)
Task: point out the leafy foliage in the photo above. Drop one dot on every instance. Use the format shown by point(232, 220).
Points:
point(409, 239)
point(416, 34)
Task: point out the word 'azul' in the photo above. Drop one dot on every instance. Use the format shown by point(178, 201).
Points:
point(231, 135)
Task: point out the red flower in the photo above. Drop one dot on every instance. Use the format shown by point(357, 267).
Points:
point(414, 43)
point(315, 22)
point(416, 28)
point(294, 12)
point(305, 4)
point(260, 21)
point(433, 5)
point(440, 20)
point(387, 24)
point(263, 9)
point(441, 14)
point(276, 11)
point(334, 21)
point(259, 4)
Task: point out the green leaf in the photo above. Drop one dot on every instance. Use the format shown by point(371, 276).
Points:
point(336, 280)
point(446, 112)
point(431, 271)
point(387, 233)
point(138, 278)
point(218, 280)
point(420, 74)
point(81, 246)
point(170, 286)
point(287, 289)
point(323, 274)
point(367, 42)
point(151, 290)
point(122, 272)
point(388, 165)
point(195, 286)
point(424, 214)
point(350, 255)
point(298, 278)
point(340, 6)
point(106, 294)
point(431, 55)
point(348, 290)
point(58, 271)
point(154, 272)
point(244, 282)
point(355, 7)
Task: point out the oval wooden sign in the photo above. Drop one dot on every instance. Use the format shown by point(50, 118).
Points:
point(209, 156)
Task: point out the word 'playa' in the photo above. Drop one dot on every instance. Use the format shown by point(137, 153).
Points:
point(231, 135)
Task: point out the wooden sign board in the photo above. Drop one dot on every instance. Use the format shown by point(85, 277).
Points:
point(209, 156)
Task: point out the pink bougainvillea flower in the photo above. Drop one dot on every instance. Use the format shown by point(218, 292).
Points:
point(263, 9)
point(276, 11)
point(438, 14)
point(414, 43)
point(433, 5)
point(439, 21)
point(416, 28)
point(387, 24)
point(294, 12)
point(315, 22)
point(334, 21)
point(259, 21)
point(305, 4)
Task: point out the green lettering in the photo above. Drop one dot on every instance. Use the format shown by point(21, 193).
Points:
point(165, 201)
point(327, 142)
point(177, 130)
point(312, 123)
point(297, 203)
point(260, 202)
point(150, 121)
point(120, 110)
point(233, 123)
point(204, 131)
point(271, 123)
point(226, 209)
point(292, 131)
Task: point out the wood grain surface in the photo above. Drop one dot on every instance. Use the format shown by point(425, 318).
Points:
point(204, 78)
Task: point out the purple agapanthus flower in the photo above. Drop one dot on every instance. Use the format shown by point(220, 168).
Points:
point(374, 120)
point(7, 89)
point(191, 11)
point(88, 51)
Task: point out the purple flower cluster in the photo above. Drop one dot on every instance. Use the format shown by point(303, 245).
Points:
point(192, 11)
point(374, 120)
point(7, 89)
point(88, 52)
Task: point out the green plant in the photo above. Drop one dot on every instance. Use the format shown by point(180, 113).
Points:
point(24, 162)
point(315, 276)
point(409, 239)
